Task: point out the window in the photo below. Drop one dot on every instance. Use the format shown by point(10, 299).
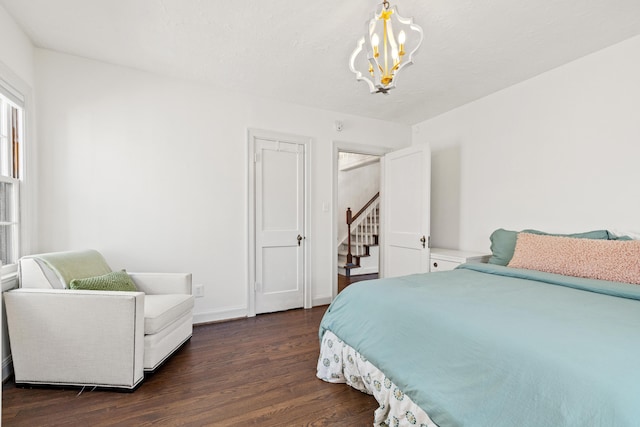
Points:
point(11, 131)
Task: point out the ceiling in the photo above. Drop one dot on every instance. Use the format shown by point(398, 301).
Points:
point(298, 51)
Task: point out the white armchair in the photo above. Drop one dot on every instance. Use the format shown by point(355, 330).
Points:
point(61, 336)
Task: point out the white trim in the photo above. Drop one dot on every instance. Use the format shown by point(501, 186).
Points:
point(9, 278)
point(322, 301)
point(308, 302)
point(252, 135)
point(250, 226)
point(7, 367)
point(12, 94)
point(14, 87)
point(220, 315)
point(337, 147)
point(16, 226)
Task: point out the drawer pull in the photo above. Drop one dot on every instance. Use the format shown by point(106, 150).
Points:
point(435, 265)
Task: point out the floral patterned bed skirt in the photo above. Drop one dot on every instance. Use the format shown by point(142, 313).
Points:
point(339, 363)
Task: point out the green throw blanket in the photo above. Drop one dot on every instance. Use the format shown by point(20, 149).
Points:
point(75, 264)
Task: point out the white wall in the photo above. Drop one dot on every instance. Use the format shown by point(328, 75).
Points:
point(152, 171)
point(16, 50)
point(558, 152)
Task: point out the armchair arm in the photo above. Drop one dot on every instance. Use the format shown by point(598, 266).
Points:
point(162, 283)
point(73, 337)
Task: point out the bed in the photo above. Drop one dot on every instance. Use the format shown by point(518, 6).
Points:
point(496, 345)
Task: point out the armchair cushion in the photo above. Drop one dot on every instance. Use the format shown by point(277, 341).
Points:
point(114, 281)
point(162, 283)
point(162, 310)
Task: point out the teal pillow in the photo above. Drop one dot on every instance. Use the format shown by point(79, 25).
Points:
point(613, 236)
point(503, 242)
point(114, 281)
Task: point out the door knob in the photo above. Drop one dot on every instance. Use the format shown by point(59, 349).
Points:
point(423, 240)
point(299, 239)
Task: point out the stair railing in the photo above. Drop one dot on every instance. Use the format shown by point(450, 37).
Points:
point(365, 226)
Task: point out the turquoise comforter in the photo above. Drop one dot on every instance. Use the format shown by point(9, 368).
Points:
point(486, 345)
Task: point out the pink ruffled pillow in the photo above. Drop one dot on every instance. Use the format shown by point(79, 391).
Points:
point(614, 260)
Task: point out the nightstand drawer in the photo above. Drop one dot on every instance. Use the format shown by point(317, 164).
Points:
point(440, 265)
point(448, 259)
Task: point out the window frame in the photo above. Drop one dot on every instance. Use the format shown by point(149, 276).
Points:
point(12, 98)
point(15, 224)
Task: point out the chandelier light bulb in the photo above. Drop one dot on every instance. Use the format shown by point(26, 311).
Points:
point(402, 37)
point(375, 40)
point(394, 54)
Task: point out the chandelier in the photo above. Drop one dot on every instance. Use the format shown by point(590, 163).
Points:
point(386, 48)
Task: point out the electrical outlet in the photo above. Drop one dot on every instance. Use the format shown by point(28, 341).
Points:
point(198, 291)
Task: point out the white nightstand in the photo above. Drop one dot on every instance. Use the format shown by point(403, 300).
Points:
point(448, 259)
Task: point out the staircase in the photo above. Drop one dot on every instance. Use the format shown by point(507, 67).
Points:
point(358, 252)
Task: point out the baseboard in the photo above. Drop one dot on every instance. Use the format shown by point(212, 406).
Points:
point(240, 312)
point(321, 301)
point(219, 315)
point(7, 368)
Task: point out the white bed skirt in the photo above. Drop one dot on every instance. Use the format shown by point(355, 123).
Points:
point(339, 363)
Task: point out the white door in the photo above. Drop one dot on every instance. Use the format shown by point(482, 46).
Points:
point(406, 211)
point(279, 224)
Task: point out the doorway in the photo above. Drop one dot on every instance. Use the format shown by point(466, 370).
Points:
point(358, 215)
point(356, 180)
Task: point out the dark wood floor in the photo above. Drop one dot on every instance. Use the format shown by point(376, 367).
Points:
point(344, 281)
point(250, 372)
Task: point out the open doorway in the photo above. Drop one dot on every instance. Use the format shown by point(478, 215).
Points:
point(357, 216)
